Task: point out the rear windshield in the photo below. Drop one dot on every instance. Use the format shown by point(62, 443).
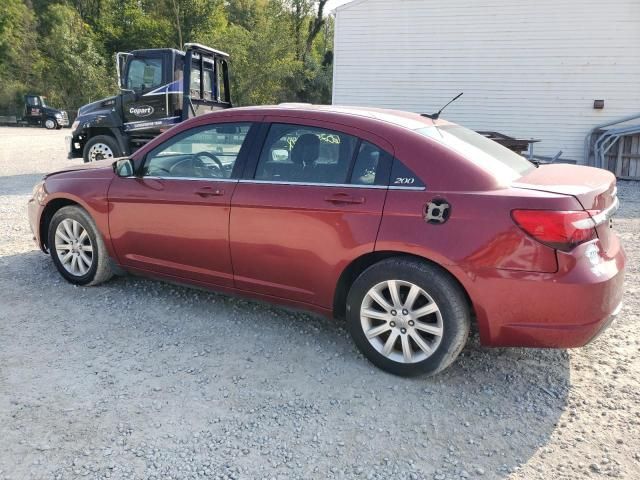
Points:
point(500, 160)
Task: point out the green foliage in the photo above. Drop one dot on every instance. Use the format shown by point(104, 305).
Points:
point(281, 50)
point(74, 69)
point(19, 60)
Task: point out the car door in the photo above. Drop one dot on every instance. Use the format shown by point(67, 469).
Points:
point(145, 103)
point(310, 203)
point(33, 108)
point(173, 219)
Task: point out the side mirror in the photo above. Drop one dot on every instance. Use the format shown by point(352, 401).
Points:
point(123, 168)
point(121, 63)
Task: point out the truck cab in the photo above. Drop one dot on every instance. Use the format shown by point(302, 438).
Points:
point(37, 112)
point(158, 89)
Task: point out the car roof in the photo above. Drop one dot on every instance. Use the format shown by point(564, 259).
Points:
point(408, 120)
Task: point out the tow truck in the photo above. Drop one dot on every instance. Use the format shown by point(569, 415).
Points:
point(159, 88)
point(36, 112)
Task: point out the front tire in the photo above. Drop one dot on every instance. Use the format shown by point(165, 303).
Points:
point(100, 147)
point(77, 248)
point(408, 317)
point(50, 124)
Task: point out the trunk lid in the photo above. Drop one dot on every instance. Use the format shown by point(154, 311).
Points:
point(594, 188)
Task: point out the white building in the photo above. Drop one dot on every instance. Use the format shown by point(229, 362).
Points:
point(528, 69)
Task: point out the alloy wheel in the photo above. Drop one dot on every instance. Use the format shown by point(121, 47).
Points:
point(73, 247)
point(401, 321)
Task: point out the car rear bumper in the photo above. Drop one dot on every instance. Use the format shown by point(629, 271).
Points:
point(565, 309)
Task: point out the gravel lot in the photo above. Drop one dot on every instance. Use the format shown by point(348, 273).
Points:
point(140, 379)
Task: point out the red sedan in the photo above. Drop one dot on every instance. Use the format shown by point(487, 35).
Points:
point(407, 227)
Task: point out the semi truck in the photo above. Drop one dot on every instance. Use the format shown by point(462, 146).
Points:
point(159, 88)
point(36, 112)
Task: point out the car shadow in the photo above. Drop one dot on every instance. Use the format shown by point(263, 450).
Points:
point(217, 362)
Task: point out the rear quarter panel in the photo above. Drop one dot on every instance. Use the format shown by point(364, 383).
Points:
point(479, 232)
point(479, 240)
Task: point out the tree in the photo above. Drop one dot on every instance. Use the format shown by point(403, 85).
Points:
point(19, 60)
point(192, 19)
point(133, 24)
point(311, 83)
point(74, 66)
point(281, 50)
point(262, 57)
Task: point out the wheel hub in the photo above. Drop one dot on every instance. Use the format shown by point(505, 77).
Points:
point(100, 151)
point(401, 322)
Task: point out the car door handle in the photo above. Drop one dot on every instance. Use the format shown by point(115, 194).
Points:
point(344, 198)
point(210, 192)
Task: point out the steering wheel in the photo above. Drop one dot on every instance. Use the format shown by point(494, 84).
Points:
point(199, 164)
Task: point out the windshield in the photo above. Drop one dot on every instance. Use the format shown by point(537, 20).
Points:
point(479, 149)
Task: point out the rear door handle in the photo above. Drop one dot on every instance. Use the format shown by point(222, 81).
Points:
point(339, 198)
point(210, 192)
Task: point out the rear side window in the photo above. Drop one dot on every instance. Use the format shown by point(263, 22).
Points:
point(371, 166)
point(303, 154)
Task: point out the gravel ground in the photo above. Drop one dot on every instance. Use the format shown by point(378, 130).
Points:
point(140, 379)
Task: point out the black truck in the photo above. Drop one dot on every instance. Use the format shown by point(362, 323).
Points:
point(36, 112)
point(159, 88)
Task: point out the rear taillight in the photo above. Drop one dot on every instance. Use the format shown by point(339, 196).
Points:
point(558, 229)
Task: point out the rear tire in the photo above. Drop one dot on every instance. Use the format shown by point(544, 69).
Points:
point(100, 147)
point(77, 248)
point(408, 317)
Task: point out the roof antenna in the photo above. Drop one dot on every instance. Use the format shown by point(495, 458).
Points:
point(435, 116)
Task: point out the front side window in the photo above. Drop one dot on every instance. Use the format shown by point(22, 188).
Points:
point(205, 152)
point(302, 154)
point(144, 73)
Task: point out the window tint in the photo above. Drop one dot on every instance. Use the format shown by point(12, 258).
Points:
point(402, 176)
point(296, 153)
point(144, 74)
point(33, 101)
point(371, 166)
point(206, 152)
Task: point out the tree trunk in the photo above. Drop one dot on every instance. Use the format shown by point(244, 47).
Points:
point(177, 12)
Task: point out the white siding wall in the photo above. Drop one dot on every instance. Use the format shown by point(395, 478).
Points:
point(527, 68)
